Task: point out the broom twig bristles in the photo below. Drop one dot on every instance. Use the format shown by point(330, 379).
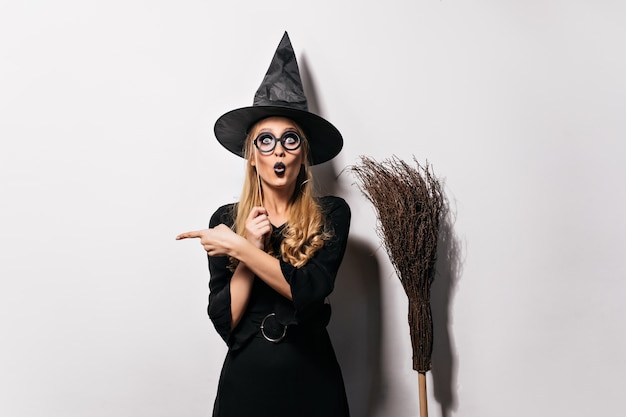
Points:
point(409, 203)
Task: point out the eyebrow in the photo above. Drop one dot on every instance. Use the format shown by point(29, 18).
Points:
point(287, 129)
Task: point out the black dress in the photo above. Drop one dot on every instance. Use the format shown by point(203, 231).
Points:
point(288, 367)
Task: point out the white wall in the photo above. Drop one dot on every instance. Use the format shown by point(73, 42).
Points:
point(107, 152)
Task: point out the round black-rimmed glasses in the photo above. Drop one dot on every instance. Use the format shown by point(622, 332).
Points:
point(266, 142)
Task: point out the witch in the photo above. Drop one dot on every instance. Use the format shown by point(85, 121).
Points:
point(274, 255)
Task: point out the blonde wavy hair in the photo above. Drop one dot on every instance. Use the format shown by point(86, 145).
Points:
point(306, 230)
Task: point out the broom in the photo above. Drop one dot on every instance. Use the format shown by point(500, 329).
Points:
point(409, 204)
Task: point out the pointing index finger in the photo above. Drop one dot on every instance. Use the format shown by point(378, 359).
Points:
point(187, 235)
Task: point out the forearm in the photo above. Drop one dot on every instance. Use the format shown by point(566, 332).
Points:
point(264, 266)
point(240, 289)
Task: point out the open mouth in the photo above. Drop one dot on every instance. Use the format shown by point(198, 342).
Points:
point(279, 169)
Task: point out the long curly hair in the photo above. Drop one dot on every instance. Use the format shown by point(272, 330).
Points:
point(306, 229)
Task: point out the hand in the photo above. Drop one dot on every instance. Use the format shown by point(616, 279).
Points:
point(257, 227)
point(218, 241)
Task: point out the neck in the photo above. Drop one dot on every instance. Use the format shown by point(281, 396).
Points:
point(277, 205)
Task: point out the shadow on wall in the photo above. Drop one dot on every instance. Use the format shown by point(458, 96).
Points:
point(448, 272)
point(356, 327)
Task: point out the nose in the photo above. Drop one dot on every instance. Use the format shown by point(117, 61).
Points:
point(279, 150)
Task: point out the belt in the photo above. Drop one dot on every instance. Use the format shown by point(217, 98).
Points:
point(271, 331)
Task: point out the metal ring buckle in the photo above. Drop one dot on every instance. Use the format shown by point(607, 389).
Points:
point(266, 336)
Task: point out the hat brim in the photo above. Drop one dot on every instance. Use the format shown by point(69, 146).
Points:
point(325, 141)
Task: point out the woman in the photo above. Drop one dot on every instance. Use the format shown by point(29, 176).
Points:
point(274, 256)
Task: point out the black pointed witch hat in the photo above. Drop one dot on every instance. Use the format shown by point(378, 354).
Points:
point(280, 94)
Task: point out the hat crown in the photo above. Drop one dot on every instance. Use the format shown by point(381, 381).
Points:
point(282, 85)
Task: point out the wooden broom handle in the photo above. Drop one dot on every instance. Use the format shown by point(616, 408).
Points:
point(421, 379)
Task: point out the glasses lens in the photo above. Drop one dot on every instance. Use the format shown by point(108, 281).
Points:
point(265, 142)
point(291, 141)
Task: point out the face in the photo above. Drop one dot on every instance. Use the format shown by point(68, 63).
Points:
point(278, 168)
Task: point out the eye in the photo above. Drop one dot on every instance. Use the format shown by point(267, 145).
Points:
point(291, 139)
point(265, 140)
